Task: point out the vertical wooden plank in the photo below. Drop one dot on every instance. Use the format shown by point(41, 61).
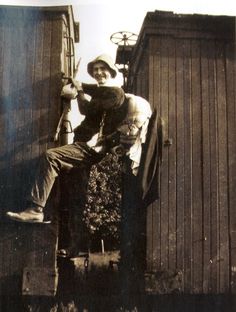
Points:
point(151, 73)
point(196, 167)
point(156, 215)
point(156, 235)
point(3, 110)
point(15, 116)
point(157, 74)
point(139, 84)
point(142, 81)
point(19, 85)
point(3, 115)
point(172, 154)
point(206, 47)
point(46, 64)
point(213, 128)
point(231, 127)
point(38, 88)
point(222, 165)
point(8, 106)
point(28, 99)
point(164, 200)
point(149, 239)
point(55, 77)
point(149, 217)
point(180, 143)
point(188, 242)
point(145, 73)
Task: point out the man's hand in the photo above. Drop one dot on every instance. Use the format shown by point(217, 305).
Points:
point(127, 139)
point(77, 84)
point(69, 92)
point(101, 141)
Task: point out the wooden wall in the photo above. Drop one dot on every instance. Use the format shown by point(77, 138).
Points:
point(34, 54)
point(190, 230)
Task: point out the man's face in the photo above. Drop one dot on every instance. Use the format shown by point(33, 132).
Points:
point(101, 73)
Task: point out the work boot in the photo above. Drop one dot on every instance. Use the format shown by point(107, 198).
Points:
point(30, 215)
point(72, 252)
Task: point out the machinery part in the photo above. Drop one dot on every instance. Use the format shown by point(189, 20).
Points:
point(64, 127)
point(125, 41)
point(118, 150)
point(124, 38)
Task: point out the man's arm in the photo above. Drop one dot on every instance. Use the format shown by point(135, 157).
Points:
point(102, 97)
point(87, 129)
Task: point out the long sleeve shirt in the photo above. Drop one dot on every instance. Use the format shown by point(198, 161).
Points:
point(118, 114)
point(110, 100)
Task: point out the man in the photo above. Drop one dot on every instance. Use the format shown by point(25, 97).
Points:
point(114, 117)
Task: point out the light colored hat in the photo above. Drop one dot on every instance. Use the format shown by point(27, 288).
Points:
point(105, 59)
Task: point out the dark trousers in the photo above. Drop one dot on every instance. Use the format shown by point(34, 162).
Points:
point(73, 162)
point(57, 160)
point(132, 241)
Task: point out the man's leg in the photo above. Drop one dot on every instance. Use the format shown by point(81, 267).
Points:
point(51, 163)
point(132, 254)
point(73, 203)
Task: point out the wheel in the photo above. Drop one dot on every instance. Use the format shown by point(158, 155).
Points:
point(124, 38)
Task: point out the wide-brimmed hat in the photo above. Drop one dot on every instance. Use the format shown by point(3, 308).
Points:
point(107, 60)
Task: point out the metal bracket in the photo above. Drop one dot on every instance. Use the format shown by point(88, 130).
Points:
point(168, 142)
point(71, 51)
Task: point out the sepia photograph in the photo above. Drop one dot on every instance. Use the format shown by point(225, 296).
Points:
point(117, 156)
